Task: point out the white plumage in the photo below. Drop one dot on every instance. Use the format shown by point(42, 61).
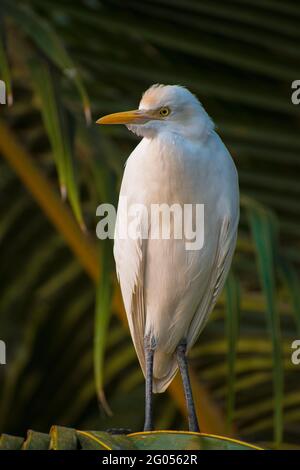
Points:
point(169, 291)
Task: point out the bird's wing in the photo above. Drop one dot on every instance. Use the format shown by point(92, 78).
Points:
point(129, 256)
point(219, 271)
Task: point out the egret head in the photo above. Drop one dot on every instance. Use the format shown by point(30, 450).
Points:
point(165, 108)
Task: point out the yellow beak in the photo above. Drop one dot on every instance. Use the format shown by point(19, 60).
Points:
point(137, 116)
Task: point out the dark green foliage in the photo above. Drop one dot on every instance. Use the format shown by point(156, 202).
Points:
point(62, 438)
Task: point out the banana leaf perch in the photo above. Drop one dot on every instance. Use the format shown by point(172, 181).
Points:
point(62, 438)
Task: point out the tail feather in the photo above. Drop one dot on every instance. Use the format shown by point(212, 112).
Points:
point(164, 370)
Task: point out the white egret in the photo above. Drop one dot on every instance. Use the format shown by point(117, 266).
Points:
point(169, 291)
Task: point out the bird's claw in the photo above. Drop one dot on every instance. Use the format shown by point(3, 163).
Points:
point(118, 431)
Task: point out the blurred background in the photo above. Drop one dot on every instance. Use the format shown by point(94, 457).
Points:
point(65, 63)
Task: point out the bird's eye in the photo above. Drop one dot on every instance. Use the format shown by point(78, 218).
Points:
point(164, 112)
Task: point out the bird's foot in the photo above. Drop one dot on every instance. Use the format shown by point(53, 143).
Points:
point(148, 427)
point(118, 431)
point(194, 428)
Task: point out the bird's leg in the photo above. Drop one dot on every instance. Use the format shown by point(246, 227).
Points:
point(183, 367)
point(149, 353)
